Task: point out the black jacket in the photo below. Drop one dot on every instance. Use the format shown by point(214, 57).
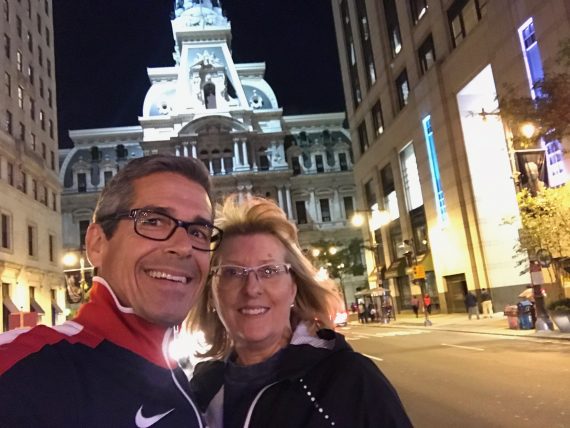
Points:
point(316, 387)
point(106, 368)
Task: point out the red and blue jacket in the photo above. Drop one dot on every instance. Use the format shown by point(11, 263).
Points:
point(106, 368)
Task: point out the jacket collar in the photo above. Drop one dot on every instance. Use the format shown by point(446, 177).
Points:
point(104, 316)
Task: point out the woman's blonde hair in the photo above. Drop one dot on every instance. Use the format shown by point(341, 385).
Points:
point(316, 300)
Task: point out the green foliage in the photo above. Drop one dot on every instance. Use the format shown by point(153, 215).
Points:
point(346, 260)
point(545, 221)
point(549, 112)
point(561, 306)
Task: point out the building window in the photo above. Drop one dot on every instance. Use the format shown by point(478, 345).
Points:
point(50, 128)
point(296, 165)
point(5, 231)
point(9, 128)
point(52, 160)
point(33, 141)
point(83, 225)
point(44, 151)
point(418, 8)
point(325, 210)
point(8, 84)
point(32, 238)
point(348, 206)
point(19, 60)
point(54, 201)
point(51, 244)
point(31, 74)
point(6, 9)
point(403, 89)
point(531, 54)
point(107, 176)
point(48, 67)
point(40, 56)
point(82, 182)
point(411, 177)
point(463, 16)
point(343, 163)
point(363, 137)
point(10, 173)
point(389, 192)
point(377, 119)
point(41, 87)
point(42, 120)
point(24, 183)
point(20, 97)
point(7, 46)
point(35, 188)
point(45, 197)
point(19, 26)
point(351, 54)
point(39, 22)
point(49, 98)
point(426, 54)
point(301, 212)
point(393, 26)
point(46, 7)
point(366, 43)
point(319, 163)
point(434, 170)
point(30, 41)
point(48, 37)
point(29, 9)
point(22, 132)
point(32, 109)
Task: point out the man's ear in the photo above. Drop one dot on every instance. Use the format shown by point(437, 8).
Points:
point(95, 243)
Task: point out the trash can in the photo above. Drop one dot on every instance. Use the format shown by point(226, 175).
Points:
point(525, 315)
point(512, 314)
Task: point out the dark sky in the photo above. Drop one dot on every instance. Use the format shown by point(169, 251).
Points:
point(103, 48)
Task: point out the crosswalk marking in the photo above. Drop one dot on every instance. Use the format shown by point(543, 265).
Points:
point(471, 348)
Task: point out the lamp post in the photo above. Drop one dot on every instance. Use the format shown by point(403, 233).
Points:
point(76, 292)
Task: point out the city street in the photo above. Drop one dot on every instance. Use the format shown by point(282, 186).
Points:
point(454, 379)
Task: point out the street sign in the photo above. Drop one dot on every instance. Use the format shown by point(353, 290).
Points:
point(419, 272)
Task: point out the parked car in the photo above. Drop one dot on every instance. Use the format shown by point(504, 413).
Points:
point(341, 319)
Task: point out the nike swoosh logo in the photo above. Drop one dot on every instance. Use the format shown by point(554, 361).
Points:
point(145, 422)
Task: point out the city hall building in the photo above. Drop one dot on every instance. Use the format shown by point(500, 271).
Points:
point(228, 116)
point(431, 153)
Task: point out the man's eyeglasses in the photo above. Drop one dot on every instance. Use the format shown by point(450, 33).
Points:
point(158, 226)
point(230, 274)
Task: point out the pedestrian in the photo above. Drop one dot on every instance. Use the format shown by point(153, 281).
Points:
point(371, 312)
point(276, 361)
point(471, 304)
point(150, 242)
point(427, 303)
point(415, 304)
point(362, 318)
point(486, 303)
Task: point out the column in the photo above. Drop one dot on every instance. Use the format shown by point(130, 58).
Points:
point(244, 152)
point(194, 150)
point(312, 206)
point(211, 166)
point(237, 162)
point(336, 212)
point(223, 166)
point(185, 149)
point(177, 151)
point(280, 197)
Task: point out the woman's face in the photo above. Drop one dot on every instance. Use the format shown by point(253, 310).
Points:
point(254, 307)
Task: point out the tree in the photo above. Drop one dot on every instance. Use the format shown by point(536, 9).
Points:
point(344, 259)
point(545, 220)
point(549, 111)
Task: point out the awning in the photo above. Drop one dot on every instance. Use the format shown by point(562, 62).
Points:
point(56, 307)
point(396, 269)
point(35, 307)
point(7, 302)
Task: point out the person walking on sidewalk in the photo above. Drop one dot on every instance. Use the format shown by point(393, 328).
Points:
point(427, 303)
point(415, 305)
point(471, 304)
point(486, 303)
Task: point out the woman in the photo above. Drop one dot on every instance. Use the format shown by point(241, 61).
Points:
point(277, 361)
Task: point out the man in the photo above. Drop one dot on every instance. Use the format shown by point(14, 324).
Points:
point(486, 303)
point(150, 240)
point(471, 304)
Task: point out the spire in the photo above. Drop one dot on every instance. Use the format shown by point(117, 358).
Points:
point(200, 12)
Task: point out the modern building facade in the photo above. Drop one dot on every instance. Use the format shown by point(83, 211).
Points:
point(30, 221)
point(227, 115)
point(421, 80)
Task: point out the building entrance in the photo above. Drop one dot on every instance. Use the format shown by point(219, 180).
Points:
point(456, 290)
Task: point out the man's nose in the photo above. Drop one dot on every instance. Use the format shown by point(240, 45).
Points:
point(179, 243)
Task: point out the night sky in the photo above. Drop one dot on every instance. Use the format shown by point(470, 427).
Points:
point(104, 47)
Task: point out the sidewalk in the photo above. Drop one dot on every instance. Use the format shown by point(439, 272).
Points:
point(460, 323)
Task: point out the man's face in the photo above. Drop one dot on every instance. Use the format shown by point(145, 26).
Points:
point(159, 280)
